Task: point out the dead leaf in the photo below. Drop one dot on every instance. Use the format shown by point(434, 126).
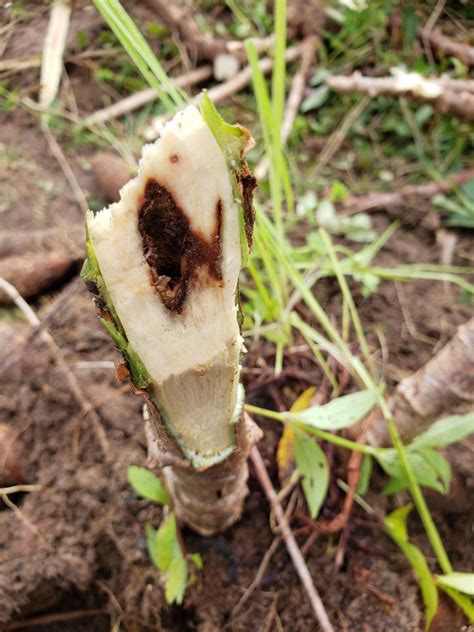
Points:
point(285, 452)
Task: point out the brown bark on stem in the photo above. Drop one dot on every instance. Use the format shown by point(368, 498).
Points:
point(210, 500)
point(421, 398)
point(408, 195)
point(435, 90)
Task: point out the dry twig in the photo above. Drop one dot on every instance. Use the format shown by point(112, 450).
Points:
point(258, 577)
point(447, 46)
point(337, 137)
point(290, 542)
point(219, 93)
point(66, 168)
point(199, 45)
point(429, 26)
point(74, 385)
point(15, 489)
point(22, 518)
point(53, 50)
point(36, 330)
point(60, 617)
point(139, 99)
point(377, 200)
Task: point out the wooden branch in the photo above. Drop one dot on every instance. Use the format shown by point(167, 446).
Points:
point(219, 93)
point(139, 99)
point(199, 45)
point(447, 46)
point(32, 274)
point(421, 398)
point(434, 90)
point(291, 545)
point(376, 201)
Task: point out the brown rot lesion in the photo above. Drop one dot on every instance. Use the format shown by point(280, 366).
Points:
point(173, 251)
point(247, 183)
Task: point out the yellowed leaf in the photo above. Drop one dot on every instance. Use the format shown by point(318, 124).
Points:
point(286, 452)
point(304, 400)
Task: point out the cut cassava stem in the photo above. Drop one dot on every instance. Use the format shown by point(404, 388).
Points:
point(164, 263)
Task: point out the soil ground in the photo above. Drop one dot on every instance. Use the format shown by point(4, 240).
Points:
point(78, 543)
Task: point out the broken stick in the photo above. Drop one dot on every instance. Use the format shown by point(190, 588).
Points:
point(433, 90)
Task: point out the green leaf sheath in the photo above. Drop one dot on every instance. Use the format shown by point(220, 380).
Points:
point(234, 142)
point(108, 316)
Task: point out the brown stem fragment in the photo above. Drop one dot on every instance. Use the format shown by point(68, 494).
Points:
point(448, 46)
point(34, 273)
point(180, 21)
point(421, 398)
point(412, 193)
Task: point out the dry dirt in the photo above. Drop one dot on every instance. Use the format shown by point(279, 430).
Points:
point(78, 543)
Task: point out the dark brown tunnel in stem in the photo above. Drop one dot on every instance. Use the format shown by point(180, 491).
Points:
point(173, 250)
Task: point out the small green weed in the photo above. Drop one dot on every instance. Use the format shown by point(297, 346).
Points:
point(164, 545)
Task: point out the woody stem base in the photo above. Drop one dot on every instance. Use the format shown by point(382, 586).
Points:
point(210, 500)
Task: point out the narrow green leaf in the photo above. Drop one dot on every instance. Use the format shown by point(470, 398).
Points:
point(312, 465)
point(167, 546)
point(140, 52)
point(150, 535)
point(446, 431)
point(147, 485)
point(365, 474)
point(462, 582)
point(396, 522)
point(176, 581)
point(339, 413)
point(396, 528)
point(196, 559)
point(279, 66)
point(465, 603)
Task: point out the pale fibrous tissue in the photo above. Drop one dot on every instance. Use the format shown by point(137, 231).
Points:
point(164, 264)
